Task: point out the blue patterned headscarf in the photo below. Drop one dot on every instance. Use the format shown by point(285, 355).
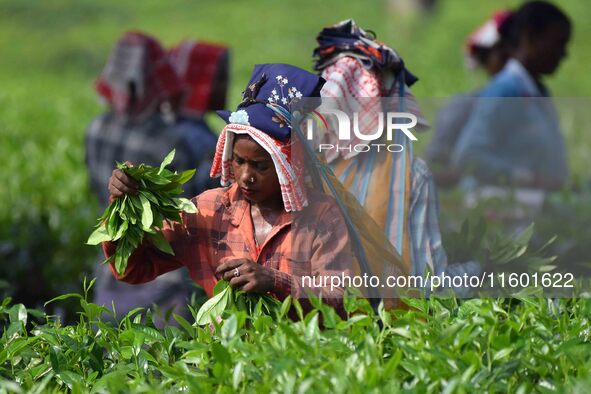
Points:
point(348, 39)
point(273, 93)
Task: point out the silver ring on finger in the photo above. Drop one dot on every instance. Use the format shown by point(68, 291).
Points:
point(236, 272)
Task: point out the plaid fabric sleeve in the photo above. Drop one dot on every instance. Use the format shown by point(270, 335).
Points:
point(427, 250)
point(283, 286)
point(331, 257)
point(146, 262)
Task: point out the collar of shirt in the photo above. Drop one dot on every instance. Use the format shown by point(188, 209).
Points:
point(238, 209)
point(515, 67)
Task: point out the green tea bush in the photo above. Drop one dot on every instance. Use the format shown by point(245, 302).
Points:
point(439, 345)
point(45, 215)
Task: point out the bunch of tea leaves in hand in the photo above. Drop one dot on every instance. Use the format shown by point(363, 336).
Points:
point(227, 299)
point(131, 218)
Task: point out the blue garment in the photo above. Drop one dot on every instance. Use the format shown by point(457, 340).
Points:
point(451, 119)
point(111, 138)
point(427, 251)
point(513, 130)
point(201, 142)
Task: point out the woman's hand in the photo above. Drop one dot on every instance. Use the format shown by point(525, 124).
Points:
point(121, 184)
point(252, 277)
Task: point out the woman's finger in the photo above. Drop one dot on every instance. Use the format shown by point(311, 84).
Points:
point(113, 187)
point(121, 187)
point(120, 184)
point(237, 282)
point(125, 179)
point(229, 264)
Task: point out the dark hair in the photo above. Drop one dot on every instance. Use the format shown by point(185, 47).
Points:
point(481, 54)
point(532, 17)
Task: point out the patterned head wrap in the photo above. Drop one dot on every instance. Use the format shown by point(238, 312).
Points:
point(346, 39)
point(265, 114)
point(352, 63)
point(138, 60)
point(201, 65)
point(486, 36)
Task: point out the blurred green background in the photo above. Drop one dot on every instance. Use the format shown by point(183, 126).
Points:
point(51, 53)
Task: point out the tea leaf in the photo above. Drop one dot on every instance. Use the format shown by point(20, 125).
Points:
point(147, 217)
point(186, 205)
point(213, 307)
point(161, 243)
point(167, 160)
point(98, 236)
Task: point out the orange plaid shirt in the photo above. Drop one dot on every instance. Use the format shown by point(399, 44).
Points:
point(313, 242)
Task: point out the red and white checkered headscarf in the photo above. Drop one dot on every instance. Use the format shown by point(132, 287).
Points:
point(287, 158)
point(198, 63)
point(358, 89)
point(355, 88)
point(486, 35)
point(139, 59)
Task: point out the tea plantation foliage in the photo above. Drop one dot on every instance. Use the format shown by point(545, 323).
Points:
point(438, 345)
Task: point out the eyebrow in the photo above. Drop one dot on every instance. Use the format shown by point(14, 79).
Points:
point(262, 160)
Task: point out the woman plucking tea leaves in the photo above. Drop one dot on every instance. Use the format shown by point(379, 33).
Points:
point(265, 230)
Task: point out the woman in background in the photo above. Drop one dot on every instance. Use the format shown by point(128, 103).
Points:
point(395, 188)
point(142, 123)
point(204, 67)
point(487, 48)
point(513, 136)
